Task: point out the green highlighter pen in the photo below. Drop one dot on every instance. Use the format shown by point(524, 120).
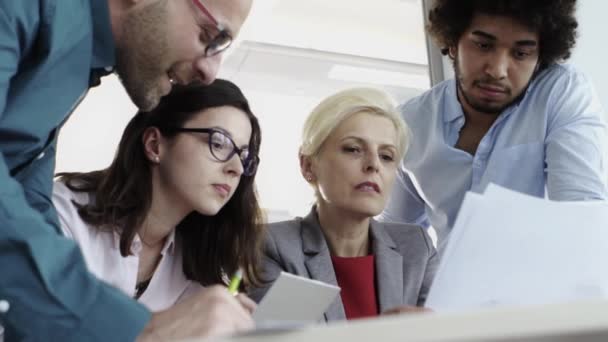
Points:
point(235, 281)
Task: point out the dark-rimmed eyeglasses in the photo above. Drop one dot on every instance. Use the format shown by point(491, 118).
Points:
point(221, 41)
point(223, 148)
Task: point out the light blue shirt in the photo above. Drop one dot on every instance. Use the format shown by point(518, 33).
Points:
point(551, 144)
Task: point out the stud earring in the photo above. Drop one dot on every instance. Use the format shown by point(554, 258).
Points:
point(156, 159)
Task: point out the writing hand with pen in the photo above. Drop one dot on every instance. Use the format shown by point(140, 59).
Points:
point(213, 311)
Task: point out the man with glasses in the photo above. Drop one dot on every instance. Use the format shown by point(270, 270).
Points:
point(51, 53)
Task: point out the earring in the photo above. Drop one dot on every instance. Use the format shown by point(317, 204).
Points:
point(309, 177)
point(156, 159)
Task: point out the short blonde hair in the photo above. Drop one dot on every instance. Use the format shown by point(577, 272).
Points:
point(334, 110)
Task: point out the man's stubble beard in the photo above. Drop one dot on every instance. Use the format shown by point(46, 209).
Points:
point(143, 55)
point(477, 106)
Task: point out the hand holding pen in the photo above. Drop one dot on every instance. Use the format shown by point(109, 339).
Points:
point(210, 312)
point(235, 282)
point(233, 288)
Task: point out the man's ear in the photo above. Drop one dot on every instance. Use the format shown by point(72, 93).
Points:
point(151, 140)
point(452, 51)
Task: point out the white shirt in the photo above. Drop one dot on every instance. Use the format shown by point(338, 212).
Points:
point(101, 252)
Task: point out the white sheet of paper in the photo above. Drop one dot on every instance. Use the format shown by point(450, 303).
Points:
point(510, 249)
point(294, 299)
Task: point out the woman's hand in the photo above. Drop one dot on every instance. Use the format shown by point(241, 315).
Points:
point(210, 312)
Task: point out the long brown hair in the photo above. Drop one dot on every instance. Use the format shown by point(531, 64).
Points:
point(212, 246)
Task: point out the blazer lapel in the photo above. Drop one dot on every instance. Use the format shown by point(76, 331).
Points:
point(318, 261)
point(389, 268)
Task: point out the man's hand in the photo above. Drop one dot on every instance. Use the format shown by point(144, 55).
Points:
point(211, 312)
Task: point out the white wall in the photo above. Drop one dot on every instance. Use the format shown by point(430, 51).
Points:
point(591, 52)
point(88, 140)
point(279, 182)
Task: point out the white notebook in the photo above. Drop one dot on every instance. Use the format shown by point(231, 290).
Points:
point(294, 299)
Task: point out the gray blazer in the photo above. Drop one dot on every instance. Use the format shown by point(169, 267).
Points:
point(405, 258)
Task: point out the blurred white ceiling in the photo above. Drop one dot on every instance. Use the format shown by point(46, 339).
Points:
point(384, 29)
point(315, 47)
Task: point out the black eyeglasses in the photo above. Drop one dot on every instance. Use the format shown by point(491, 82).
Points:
point(219, 42)
point(222, 147)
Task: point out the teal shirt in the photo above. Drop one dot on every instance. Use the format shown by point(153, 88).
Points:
point(51, 51)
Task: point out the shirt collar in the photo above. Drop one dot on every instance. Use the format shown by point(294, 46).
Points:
point(452, 108)
point(168, 247)
point(103, 38)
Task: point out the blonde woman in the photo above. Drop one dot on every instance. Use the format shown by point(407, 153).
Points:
point(352, 143)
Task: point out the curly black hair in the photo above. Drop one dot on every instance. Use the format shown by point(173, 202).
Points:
point(554, 20)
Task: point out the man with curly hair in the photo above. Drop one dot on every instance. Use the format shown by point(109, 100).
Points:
point(514, 115)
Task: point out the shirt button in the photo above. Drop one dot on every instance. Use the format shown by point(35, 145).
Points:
point(40, 156)
point(4, 306)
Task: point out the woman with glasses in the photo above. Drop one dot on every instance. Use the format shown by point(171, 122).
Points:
point(177, 209)
point(352, 144)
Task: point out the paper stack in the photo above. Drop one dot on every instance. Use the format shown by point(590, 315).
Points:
point(510, 249)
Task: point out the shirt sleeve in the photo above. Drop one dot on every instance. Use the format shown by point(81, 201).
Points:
point(51, 295)
point(404, 204)
point(575, 147)
point(12, 43)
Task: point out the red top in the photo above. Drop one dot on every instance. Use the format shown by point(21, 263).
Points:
point(356, 277)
